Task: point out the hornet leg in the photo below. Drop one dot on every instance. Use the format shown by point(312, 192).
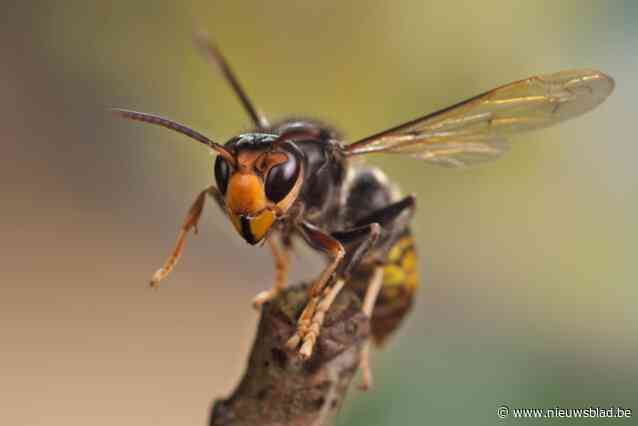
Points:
point(368, 304)
point(333, 248)
point(190, 222)
point(391, 217)
point(319, 304)
point(282, 265)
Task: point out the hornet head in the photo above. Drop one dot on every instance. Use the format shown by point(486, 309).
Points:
point(259, 182)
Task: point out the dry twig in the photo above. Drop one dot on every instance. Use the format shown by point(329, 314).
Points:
point(278, 388)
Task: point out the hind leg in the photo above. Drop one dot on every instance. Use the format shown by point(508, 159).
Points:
point(369, 300)
point(394, 218)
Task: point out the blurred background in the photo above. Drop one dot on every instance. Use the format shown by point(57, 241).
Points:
point(528, 287)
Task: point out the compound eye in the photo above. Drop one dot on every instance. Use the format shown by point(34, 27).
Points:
point(222, 173)
point(281, 178)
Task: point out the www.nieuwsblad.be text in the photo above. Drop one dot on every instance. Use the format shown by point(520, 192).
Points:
point(505, 411)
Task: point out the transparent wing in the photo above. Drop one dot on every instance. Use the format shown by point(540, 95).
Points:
point(476, 130)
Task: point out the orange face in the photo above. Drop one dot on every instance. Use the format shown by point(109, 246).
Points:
point(248, 207)
point(258, 188)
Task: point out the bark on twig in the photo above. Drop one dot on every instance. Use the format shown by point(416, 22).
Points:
point(280, 389)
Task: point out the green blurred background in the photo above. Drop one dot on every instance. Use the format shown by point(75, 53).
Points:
point(528, 264)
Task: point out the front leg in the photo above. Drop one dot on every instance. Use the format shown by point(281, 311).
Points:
point(321, 241)
point(190, 222)
point(282, 265)
point(321, 297)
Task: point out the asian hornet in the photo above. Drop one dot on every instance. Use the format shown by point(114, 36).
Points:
point(295, 179)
